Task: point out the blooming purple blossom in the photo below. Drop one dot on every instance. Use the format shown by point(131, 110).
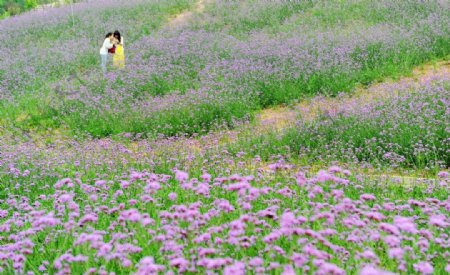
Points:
point(423, 268)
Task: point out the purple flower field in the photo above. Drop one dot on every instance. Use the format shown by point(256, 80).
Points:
point(324, 224)
point(213, 76)
point(165, 167)
point(407, 126)
point(275, 220)
point(149, 207)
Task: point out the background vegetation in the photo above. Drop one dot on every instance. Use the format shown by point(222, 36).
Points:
point(15, 7)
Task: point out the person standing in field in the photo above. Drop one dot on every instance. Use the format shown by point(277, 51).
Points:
point(119, 55)
point(108, 44)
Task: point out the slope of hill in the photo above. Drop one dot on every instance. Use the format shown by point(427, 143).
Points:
point(213, 75)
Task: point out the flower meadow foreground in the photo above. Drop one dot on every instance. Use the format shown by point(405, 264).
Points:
point(275, 221)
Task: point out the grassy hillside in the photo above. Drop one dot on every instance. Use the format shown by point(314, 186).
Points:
point(408, 127)
point(234, 58)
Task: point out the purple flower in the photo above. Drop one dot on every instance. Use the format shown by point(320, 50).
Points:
point(91, 218)
point(439, 220)
point(396, 253)
point(370, 270)
point(367, 197)
point(323, 176)
point(172, 196)
point(389, 228)
point(405, 224)
point(329, 268)
point(392, 241)
point(255, 262)
point(443, 174)
point(181, 176)
point(288, 220)
point(335, 169)
point(64, 182)
point(300, 178)
point(237, 268)
point(215, 263)
point(180, 263)
point(147, 266)
point(299, 259)
point(288, 270)
point(423, 268)
point(131, 215)
point(100, 183)
point(369, 255)
point(124, 184)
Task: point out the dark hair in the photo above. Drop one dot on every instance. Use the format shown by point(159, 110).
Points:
point(108, 34)
point(117, 35)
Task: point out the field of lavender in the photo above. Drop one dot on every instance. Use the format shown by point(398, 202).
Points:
point(164, 167)
point(408, 127)
point(214, 75)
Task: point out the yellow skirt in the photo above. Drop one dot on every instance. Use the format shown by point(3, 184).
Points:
point(119, 57)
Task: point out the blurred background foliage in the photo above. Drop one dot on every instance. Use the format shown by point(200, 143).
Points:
point(14, 7)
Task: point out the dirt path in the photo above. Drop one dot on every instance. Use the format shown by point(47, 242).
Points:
point(181, 19)
point(278, 118)
point(281, 117)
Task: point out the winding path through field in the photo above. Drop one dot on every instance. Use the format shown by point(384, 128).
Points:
point(281, 117)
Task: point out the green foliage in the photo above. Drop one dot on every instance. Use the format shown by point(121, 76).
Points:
point(30, 4)
point(204, 118)
point(14, 7)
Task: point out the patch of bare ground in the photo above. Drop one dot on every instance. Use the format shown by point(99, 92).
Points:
point(182, 19)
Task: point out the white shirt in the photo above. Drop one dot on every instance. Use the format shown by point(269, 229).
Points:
point(106, 46)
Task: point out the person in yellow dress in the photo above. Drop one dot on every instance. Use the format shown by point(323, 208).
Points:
point(119, 55)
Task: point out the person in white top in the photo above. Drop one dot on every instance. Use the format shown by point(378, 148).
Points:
point(108, 43)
